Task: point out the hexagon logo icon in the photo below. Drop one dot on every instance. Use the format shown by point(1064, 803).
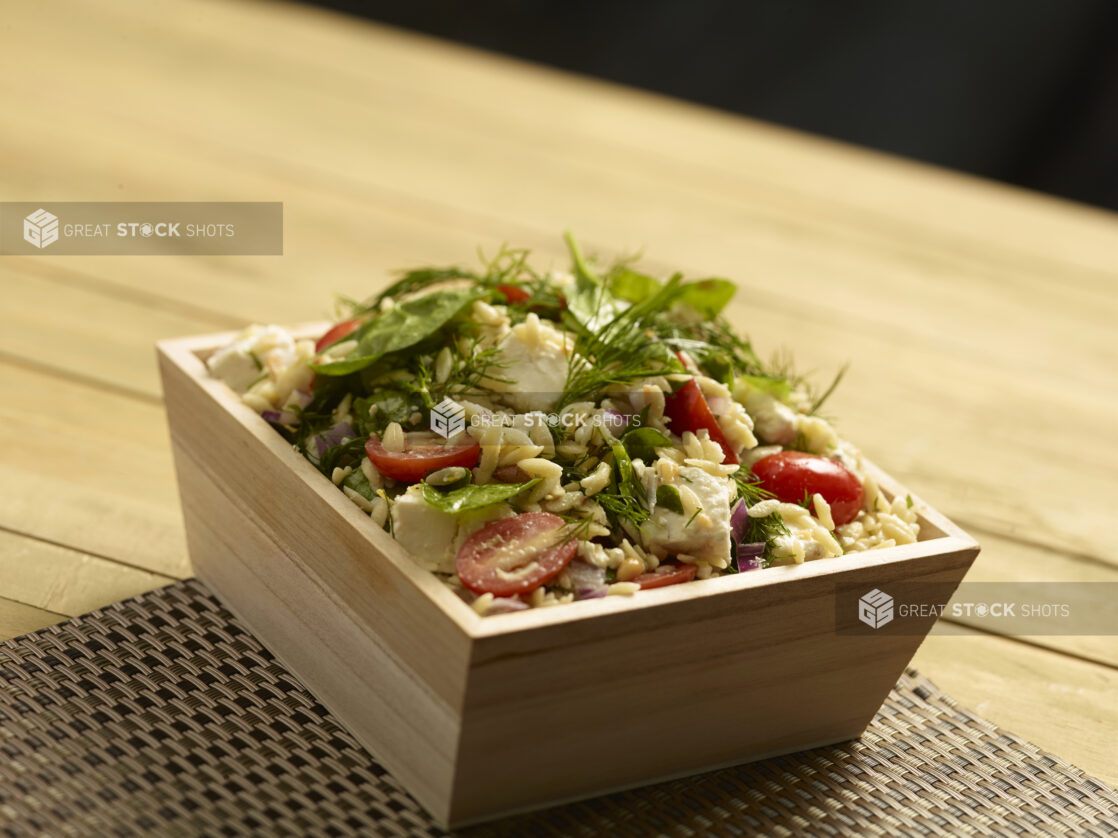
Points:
point(448, 418)
point(40, 228)
point(875, 609)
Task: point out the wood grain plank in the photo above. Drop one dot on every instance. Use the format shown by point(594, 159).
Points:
point(87, 333)
point(1066, 706)
point(303, 47)
point(90, 470)
point(1088, 587)
point(66, 581)
point(17, 618)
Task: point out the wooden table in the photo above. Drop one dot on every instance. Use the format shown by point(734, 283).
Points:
point(978, 319)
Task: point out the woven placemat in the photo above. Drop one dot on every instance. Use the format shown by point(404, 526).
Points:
point(161, 715)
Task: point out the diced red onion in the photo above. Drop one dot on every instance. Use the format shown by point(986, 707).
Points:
point(280, 417)
point(499, 605)
point(335, 436)
point(588, 581)
point(739, 521)
point(300, 398)
point(592, 593)
point(584, 575)
point(753, 563)
point(505, 605)
point(749, 556)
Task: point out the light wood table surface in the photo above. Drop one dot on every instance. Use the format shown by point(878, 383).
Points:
point(979, 320)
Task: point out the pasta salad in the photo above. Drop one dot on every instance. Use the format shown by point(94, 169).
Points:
point(535, 438)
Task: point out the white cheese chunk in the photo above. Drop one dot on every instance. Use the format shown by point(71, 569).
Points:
point(434, 537)
point(534, 358)
point(236, 366)
point(257, 350)
point(424, 531)
point(704, 536)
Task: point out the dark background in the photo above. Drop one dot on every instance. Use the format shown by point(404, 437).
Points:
point(1024, 91)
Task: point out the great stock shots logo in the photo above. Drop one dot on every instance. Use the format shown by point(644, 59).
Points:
point(875, 609)
point(141, 228)
point(40, 228)
point(448, 418)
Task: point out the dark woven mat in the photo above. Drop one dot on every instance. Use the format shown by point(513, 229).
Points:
point(162, 716)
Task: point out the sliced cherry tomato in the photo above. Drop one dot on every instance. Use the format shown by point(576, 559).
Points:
point(515, 555)
point(422, 454)
point(667, 574)
point(794, 475)
point(688, 409)
point(514, 293)
point(336, 333)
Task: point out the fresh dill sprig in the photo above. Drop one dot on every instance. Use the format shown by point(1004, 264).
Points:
point(818, 402)
point(473, 367)
point(621, 507)
point(766, 529)
point(615, 342)
point(749, 488)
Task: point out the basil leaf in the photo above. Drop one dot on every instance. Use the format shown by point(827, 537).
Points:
point(707, 296)
point(641, 442)
point(473, 497)
point(401, 326)
point(357, 481)
point(668, 497)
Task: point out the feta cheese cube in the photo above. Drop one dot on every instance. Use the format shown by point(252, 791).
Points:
point(705, 536)
point(424, 531)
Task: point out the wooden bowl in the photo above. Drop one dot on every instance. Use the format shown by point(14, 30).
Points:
point(484, 716)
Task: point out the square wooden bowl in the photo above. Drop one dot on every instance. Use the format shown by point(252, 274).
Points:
point(483, 716)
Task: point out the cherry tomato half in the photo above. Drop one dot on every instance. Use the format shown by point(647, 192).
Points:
point(420, 456)
point(514, 293)
point(667, 574)
point(336, 333)
point(515, 555)
point(688, 409)
point(791, 474)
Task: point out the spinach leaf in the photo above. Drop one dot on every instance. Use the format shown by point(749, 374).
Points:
point(623, 469)
point(592, 306)
point(357, 481)
point(348, 452)
point(472, 496)
point(707, 296)
point(391, 406)
point(625, 476)
point(640, 442)
point(400, 327)
point(627, 284)
point(420, 278)
point(668, 497)
point(778, 388)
